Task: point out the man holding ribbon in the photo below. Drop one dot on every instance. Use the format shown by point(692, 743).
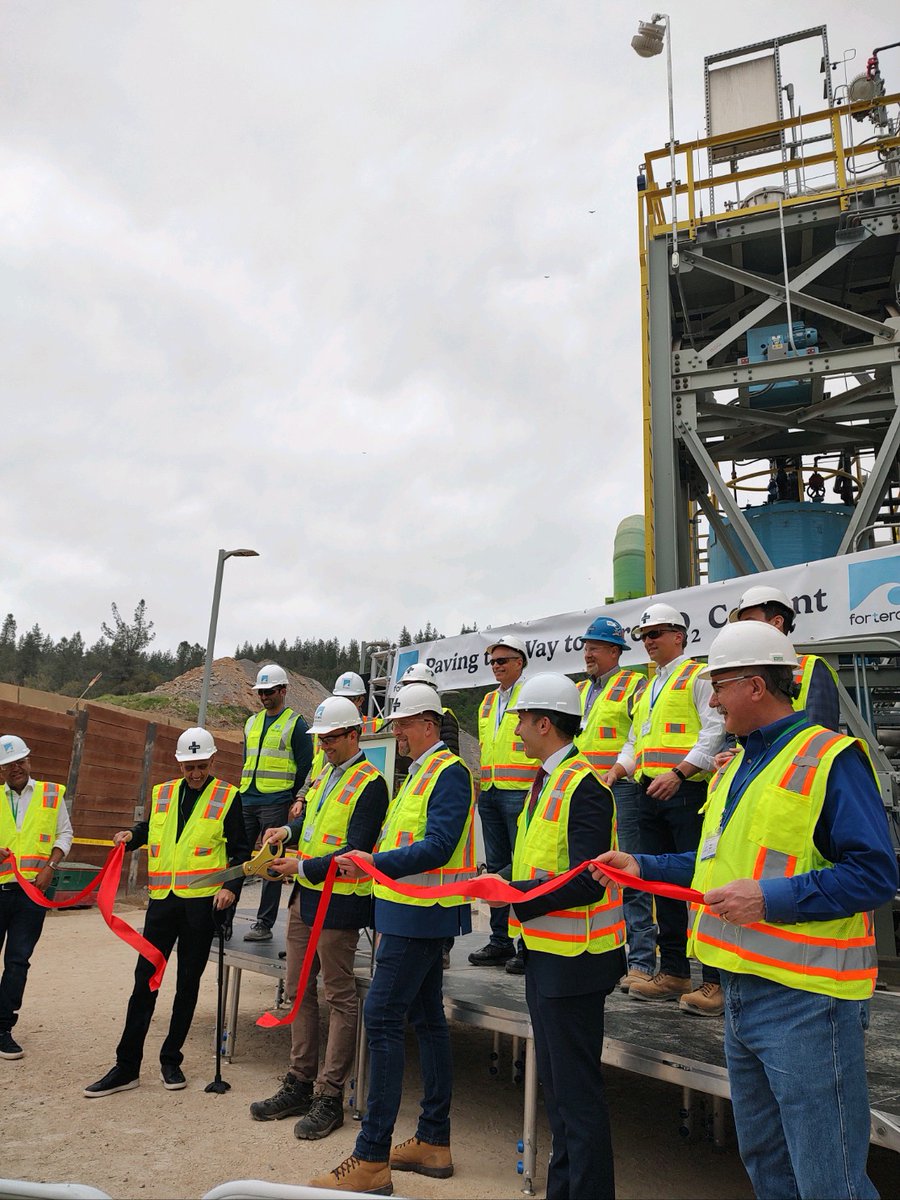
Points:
point(195, 829)
point(574, 936)
point(35, 827)
point(345, 807)
point(427, 842)
point(794, 855)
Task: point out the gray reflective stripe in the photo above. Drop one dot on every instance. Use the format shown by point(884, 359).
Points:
point(418, 881)
point(215, 810)
point(808, 761)
point(458, 876)
point(278, 755)
point(660, 758)
point(186, 878)
point(820, 956)
point(611, 914)
point(775, 865)
point(525, 774)
point(287, 731)
point(287, 776)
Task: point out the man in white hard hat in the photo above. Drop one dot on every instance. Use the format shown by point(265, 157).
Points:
point(574, 937)
point(794, 856)
point(426, 841)
point(422, 673)
point(348, 686)
point(35, 827)
point(815, 677)
point(507, 772)
point(670, 751)
point(345, 808)
point(195, 829)
point(277, 756)
point(608, 697)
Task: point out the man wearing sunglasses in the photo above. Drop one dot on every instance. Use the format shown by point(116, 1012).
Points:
point(345, 808)
point(507, 774)
point(277, 757)
point(674, 737)
point(795, 854)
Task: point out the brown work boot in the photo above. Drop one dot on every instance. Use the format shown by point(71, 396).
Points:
point(423, 1158)
point(660, 987)
point(633, 976)
point(707, 1001)
point(357, 1175)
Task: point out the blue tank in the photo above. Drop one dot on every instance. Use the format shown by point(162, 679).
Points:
point(790, 532)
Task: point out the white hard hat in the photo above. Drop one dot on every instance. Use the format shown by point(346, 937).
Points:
point(511, 642)
point(419, 673)
point(661, 614)
point(195, 745)
point(415, 699)
point(270, 676)
point(749, 644)
point(335, 712)
point(551, 692)
point(755, 597)
point(12, 749)
point(349, 684)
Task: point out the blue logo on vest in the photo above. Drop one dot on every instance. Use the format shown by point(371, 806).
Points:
point(874, 588)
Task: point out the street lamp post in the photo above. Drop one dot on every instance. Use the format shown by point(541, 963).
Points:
point(213, 622)
point(648, 42)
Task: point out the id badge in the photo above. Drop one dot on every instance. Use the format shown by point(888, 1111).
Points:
point(708, 849)
point(645, 729)
point(307, 834)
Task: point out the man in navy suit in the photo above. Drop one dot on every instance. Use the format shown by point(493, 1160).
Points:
point(574, 937)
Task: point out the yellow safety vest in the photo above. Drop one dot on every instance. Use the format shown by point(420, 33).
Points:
point(804, 673)
point(770, 836)
point(504, 763)
point(325, 823)
point(33, 842)
point(173, 863)
point(672, 724)
point(605, 730)
point(405, 823)
point(542, 850)
point(275, 768)
point(371, 725)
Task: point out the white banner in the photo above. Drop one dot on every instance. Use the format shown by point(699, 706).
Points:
point(850, 596)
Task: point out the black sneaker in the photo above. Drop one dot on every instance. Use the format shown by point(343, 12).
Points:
point(516, 965)
point(116, 1080)
point(258, 933)
point(491, 955)
point(172, 1077)
point(293, 1099)
point(325, 1115)
point(9, 1047)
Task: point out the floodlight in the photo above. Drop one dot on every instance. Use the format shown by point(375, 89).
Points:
point(650, 38)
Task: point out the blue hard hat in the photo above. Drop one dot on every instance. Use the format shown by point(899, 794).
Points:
point(605, 629)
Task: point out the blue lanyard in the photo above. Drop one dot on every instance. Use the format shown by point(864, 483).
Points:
point(732, 801)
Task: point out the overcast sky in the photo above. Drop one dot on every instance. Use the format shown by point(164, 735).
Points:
point(353, 284)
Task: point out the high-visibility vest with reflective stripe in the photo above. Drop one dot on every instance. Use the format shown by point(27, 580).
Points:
point(325, 828)
point(173, 862)
point(770, 836)
point(504, 763)
point(405, 823)
point(673, 723)
point(542, 850)
point(371, 725)
point(275, 768)
point(605, 729)
point(803, 675)
point(33, 842)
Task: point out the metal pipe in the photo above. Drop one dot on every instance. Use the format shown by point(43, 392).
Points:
point(213, 622)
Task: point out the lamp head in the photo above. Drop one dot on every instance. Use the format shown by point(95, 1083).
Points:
point(650, 37)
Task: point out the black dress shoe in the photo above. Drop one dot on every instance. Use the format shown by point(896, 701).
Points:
point(172, 1077)
point(491, 955)
point(516, 965)
point(9, 1047)
point(116, 1080)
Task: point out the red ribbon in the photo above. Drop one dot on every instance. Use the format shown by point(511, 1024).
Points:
point(479, 888)
point(107, 880)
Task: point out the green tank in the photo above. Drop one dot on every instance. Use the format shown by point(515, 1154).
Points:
point(629, 571)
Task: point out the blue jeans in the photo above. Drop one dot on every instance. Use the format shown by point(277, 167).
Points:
point(797, 1069)
point(638, 905)
point(499, 812)
point(407, 983)
point(21, 923)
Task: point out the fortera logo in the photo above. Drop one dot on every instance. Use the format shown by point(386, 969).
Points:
point(874, 588)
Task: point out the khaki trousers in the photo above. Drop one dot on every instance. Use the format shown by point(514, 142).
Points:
point(334, 959)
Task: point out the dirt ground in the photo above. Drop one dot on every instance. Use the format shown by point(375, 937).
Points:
point(157, 1144)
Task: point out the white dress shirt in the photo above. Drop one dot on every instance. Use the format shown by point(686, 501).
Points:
point(18, 803)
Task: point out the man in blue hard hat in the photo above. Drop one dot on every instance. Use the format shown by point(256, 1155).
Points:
point(608, 697)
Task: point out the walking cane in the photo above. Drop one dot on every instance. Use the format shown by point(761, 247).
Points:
point(223, 920)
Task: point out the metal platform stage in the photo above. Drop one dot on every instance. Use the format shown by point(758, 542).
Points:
point(647, 1039)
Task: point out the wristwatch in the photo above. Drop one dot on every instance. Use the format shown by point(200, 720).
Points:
point(681, 775)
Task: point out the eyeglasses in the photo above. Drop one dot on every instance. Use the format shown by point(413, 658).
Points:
point(328, 739)
point(654, 634)
point(498, 662)
point(720, 683)
point(268, 691)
